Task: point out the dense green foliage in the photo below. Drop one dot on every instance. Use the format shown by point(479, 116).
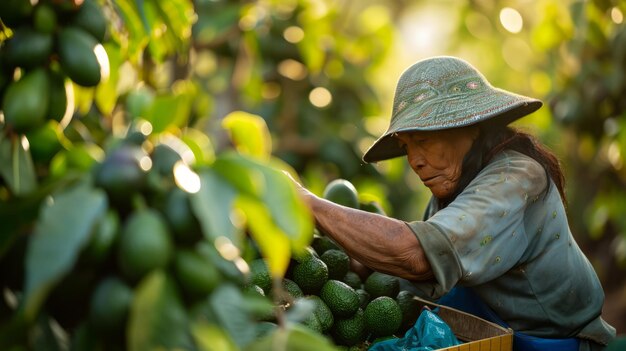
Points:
point(183, 112)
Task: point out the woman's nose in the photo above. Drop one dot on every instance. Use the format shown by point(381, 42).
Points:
point(416, 159)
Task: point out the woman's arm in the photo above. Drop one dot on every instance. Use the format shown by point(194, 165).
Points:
point(382, 243)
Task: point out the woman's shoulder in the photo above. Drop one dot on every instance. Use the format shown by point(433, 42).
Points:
point(513, 160)
point(516, 165)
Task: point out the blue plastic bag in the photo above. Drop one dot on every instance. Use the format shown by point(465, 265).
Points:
point(430, 332)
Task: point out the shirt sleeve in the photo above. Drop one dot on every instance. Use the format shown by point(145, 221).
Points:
point(480, 235)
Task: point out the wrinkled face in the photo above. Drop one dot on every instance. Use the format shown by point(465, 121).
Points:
point(437, 156)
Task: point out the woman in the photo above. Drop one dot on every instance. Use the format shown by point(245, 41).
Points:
point(495, 240)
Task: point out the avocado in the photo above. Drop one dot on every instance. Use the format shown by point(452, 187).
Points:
point(338, 263)
point(44, 18)
point(144, 245)
point(383, 316)
point(342, 300)
point(58, 97)
point(260, 275)
point(310, 275)
point(90, 18)
point(322, 312)
point(176, 209)
point(110, 304)
point(26, 101)
point(410, 308)
point(381, 284)
point(350, 331)
point(342, 192)
point(77, 56)
point(197, 275)
point(45, 141)
point(28, 48)
point(120, 174)
point(352, 279)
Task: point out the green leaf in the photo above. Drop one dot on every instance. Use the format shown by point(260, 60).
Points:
point(215, 20)
point(227, 303)
point(242, 176)
point(249, 133)
point(318, 31)
point(18, 215)
point(212, 206)
point(251, 72)
point(289, 211)
point(179, 16)
point(168, 109)
point(274, 244)
point(176, 16)
point(135, 39)
point(62, 230)
point(106, 92)
point(157, 317)
point(300, 310)
point(227, 268)
point(201, 146)
point(266, 182)
point(83, 98)
point(82, 156)
point(17, 168)
point(159, 45)
point(257, 304)
point(295, 337)
point(139, 100)
point(210, 337)
point(278, 218)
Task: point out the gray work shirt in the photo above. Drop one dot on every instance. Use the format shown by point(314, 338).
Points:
point(510, 241)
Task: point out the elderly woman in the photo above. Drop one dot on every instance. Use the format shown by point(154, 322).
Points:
point(495, 239)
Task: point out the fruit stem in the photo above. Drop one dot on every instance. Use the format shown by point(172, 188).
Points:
point(280, 314)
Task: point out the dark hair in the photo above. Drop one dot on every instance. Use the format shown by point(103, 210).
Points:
point(494, 139)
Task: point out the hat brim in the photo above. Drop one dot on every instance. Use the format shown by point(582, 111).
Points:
point(510, 108)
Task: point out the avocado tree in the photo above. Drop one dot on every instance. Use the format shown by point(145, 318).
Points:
point(588, 103)
point(122, 227)
point(134, 189)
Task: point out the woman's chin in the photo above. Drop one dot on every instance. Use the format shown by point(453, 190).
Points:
point(440, 191)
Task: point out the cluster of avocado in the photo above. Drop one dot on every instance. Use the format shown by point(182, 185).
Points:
point(353, 305)
point(40, 46)
point(149, 225)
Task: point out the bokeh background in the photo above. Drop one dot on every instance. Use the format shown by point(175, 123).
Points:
point(323, 73)
point(321, 76)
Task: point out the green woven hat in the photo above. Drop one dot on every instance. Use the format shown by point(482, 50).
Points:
point(442, 93)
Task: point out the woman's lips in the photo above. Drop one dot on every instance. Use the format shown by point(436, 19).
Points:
point(429, 180)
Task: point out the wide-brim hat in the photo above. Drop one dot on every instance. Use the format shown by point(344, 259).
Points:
point(441, 93)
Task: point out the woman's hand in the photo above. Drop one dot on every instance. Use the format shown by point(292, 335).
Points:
point(379, 242)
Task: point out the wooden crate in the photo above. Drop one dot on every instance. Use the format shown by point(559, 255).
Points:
point(476, 333)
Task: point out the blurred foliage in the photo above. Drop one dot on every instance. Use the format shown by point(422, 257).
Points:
point(587, 102)
point(571, 55)
point(276, 55)
point(239, 89)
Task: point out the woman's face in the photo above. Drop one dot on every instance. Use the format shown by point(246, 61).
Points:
point(437, 156)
